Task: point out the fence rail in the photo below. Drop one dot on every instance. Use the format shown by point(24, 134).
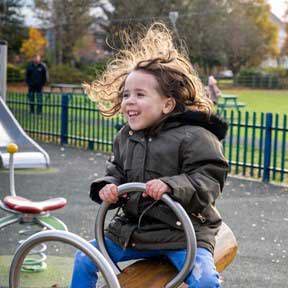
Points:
point(255, 146)
point(254, 81)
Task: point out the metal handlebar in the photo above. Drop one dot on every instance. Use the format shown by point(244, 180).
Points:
point(176, 208)
point(64, 237)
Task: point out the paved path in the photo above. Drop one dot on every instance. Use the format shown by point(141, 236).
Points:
point(257, 213)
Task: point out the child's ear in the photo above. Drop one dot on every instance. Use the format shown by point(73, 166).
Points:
point(169, 105)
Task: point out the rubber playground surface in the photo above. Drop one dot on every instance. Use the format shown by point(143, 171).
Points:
point(256, 212)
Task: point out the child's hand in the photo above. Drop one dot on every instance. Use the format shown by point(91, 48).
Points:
point(109, 193)
point(156, 188)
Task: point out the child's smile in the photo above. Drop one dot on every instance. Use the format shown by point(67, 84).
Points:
point(132, 114)
point(142, 103)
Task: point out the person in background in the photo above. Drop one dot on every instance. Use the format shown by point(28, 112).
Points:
point(36, 78)
point(213, 91)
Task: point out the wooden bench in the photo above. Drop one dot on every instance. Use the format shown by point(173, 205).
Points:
point(156, 273)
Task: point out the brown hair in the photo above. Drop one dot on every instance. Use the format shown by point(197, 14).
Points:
point(156, 54)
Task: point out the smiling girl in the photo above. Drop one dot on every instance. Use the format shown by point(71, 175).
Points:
point(171, 142)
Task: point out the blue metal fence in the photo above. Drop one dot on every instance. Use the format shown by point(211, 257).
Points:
point(255, 146)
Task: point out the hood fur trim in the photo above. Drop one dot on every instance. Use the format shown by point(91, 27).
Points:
point(214, 123)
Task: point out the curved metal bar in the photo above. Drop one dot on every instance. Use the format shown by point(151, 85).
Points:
point(176, 208)
point(65, 237)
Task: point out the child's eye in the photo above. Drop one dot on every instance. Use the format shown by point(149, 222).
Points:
point(140, 95)
point(125, 95)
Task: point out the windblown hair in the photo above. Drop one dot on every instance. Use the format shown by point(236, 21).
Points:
point(154, 53)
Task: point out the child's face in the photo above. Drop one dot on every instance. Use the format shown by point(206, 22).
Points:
point(142, 104)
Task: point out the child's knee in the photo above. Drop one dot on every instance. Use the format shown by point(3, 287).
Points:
point(84, 261)
point(203, 276)
point(206, 281)
point(210, 281)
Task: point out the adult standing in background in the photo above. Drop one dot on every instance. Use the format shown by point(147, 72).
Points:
point(213, 90)
point(36, 78)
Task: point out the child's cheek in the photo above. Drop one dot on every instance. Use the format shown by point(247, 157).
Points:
point(122, 110)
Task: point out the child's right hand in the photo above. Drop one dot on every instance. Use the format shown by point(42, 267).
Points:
point(109, 193)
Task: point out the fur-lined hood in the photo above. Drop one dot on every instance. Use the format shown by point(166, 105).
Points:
point(212, 123)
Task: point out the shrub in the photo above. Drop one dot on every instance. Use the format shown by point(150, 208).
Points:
point(66, 74)
point(256, 78)
point(15, 73)
point(94, 70)
point(72, 75)
point(276, 71)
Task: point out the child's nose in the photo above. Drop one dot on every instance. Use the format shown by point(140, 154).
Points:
point(131, 99)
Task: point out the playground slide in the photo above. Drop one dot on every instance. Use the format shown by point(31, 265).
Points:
point(30, 154)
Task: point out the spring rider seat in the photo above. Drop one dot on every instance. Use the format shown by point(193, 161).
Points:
point(30, 213)
point(152, 273)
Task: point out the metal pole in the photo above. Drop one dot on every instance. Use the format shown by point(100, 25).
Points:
point(173, 16)
point(267, 148)
point(3, 68)
point(11, 175)
point(64, 118)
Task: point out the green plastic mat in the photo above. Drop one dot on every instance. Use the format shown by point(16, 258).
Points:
point(57, 274)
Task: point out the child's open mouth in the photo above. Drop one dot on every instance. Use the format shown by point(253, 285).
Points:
point(132, 115)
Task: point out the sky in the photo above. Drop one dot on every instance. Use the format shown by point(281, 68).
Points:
point(278, 7)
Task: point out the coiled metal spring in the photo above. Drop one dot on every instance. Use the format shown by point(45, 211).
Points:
point(35, 261)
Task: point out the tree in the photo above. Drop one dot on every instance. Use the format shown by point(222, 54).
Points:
point(34, 45)
point(284, 48)
point(216, 32)
point(199, 24)
point(258, 12)
point(202, 29)
point(131, 15)
point(68, 21)
point(249, 34)
point(11, 25)
point(232, 33)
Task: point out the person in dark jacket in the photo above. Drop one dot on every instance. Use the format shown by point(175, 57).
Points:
point(171, 142)
point(36, 78)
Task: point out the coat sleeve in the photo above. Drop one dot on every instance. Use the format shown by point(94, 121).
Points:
point(114, 174)
point(45, 77)
point(203, 171)
point(28, 75)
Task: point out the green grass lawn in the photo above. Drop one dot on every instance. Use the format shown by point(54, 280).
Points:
point(87, 128)
point(260, 100)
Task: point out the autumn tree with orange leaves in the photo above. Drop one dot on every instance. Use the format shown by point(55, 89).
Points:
point(34, 45)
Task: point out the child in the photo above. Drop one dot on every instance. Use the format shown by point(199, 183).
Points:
point(172, 143)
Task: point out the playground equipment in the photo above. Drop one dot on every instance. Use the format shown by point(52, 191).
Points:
point(64, 237)
point(161, 273)
point(144, 273)
point(3, 68)
point(31, 156)
point(24, 211)
point(186, 224)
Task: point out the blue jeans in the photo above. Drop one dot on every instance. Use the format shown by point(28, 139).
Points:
point(203, 275)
